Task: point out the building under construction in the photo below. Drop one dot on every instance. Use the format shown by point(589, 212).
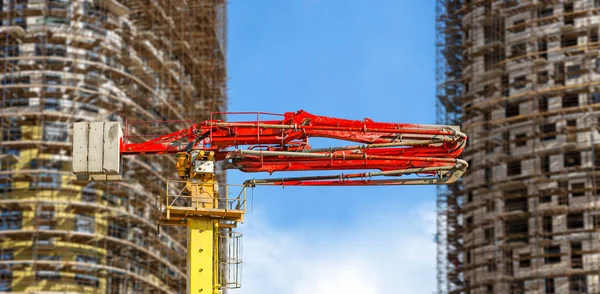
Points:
point(522, 78)
point(67, 61)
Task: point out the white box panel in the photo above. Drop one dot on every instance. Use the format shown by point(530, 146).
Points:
point(111, 162)
point(80, 145)
point(95, 145)
point(96, 151)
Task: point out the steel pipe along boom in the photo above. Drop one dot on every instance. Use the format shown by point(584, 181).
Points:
point(443, 175)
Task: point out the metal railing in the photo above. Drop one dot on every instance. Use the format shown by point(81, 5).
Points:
point(187, 194)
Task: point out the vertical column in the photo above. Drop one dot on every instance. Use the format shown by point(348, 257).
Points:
point(200, 256)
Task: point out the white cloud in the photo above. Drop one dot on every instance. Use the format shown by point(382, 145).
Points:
point(383, 251)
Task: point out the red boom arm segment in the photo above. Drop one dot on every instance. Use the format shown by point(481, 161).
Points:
point(282, 145)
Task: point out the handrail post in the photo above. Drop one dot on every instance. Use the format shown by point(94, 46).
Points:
point(167, 195)
point(226, 197)
point(257, 127)
point(167, 201)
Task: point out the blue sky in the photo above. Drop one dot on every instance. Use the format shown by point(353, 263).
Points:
point(350, 60)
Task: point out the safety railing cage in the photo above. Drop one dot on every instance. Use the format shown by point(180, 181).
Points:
point(230, 261)
point(191, 197)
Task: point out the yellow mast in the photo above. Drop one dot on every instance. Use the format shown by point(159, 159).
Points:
point(195, 203)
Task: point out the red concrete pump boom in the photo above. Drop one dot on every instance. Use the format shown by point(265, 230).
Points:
point(381, 154)
point(393, 149)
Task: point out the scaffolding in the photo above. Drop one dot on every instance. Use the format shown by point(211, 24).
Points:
point(101, 60)
point(522, 78)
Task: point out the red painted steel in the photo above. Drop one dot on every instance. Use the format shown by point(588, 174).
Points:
point(283, 145)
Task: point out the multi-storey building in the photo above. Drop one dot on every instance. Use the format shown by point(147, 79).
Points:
point(66, 61)
point(522, 78)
